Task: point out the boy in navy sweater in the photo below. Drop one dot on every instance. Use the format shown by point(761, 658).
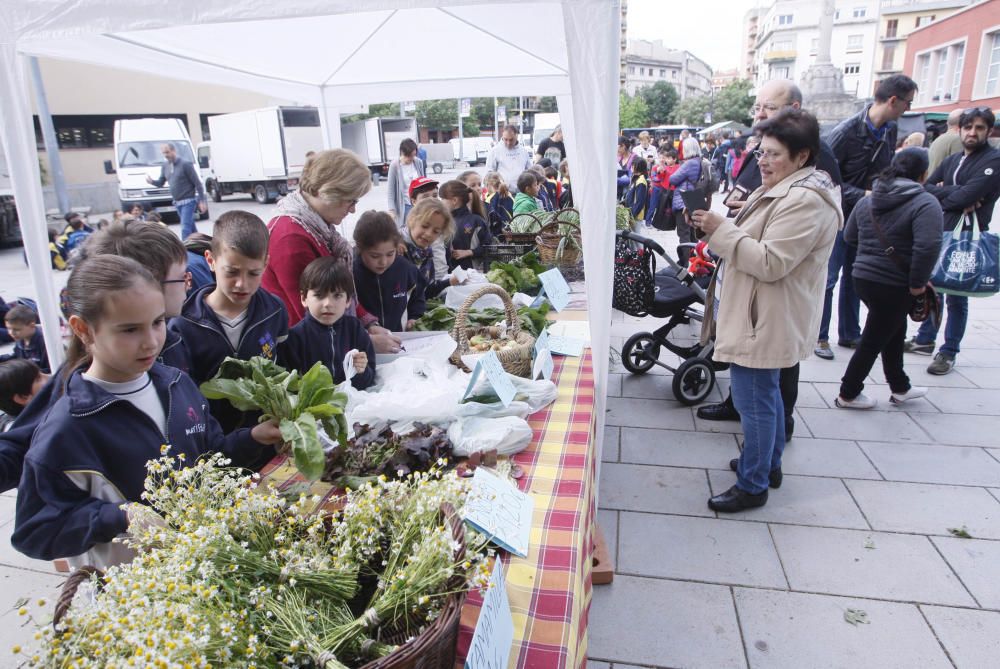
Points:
point(28, 341)
point(383, 278)
point(326, 334)
point(233, 317)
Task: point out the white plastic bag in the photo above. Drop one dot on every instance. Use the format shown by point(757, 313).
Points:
point(508, 435)
point(455, 296)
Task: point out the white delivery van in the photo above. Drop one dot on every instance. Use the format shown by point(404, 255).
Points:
point(138, 154)
point(376, 140)
point(260, 152)
point(475, 150)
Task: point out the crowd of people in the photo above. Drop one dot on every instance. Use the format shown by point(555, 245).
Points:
point(860, 202)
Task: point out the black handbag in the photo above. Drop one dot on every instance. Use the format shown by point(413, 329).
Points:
point(925, 305)
point(634, 287)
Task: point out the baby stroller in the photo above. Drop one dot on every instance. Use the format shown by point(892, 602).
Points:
point(672, 293)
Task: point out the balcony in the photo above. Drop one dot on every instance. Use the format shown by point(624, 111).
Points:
point(784, 54)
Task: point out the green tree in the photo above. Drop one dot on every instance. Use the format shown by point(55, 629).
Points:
point(632, 111)
point(733, 102)
point(377, 109)
point(547, 103)
point(692, 110)
point(660, 98)
point(438, 114)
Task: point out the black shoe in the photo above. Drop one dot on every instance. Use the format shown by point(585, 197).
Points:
point(720, 411)
point(734, 500)
point(848, 343)
point(789, 428)
point(773, 479)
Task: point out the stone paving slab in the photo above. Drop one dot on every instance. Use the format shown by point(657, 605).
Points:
point(929, 463)
point(977, 401)
point(719, 551)
point(977, 563)
point(927, 509)
point(610, 446)
point(802, 500)
point(827, 457)
point(788, 630)
point(649, 413)
point(677, 448)
point(15, 585)
point(960, 430)
point(982, 377)
point(859, 425)
point(899, 567)
point(971, 638)
point(654, 489)
point(665, 623)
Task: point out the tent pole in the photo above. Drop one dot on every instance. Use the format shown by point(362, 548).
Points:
point(18, 135)
point(329, 121)
point(49, 135)
point(461, 154)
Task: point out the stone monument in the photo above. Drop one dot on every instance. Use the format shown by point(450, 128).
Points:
point(823, 83)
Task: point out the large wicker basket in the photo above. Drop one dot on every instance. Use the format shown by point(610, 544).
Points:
point(551, 237)
point(516, 360)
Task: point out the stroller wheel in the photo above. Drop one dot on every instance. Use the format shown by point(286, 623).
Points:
point(640, 353)
point(693, 381)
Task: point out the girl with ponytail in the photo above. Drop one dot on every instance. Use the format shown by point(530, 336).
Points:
point(472, 233)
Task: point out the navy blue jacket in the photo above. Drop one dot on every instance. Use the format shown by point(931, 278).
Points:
point(977, 185)
point(429, 287)
point(862, 155)
point(34, 351)
point(388, 296)
point(471, 233)
point(106, 441)
point(500, 210)
point(309, 342)
point(208, 345)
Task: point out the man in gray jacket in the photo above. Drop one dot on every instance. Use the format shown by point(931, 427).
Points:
point(185, 188)
point(509, 158)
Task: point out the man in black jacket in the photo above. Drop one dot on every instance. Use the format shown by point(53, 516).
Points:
point(772, 98)
point(964, 183)
point(863, 145)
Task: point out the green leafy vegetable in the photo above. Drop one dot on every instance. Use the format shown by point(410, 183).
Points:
point(307, 451)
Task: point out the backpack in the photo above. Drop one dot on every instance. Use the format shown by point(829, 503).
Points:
point(707, 181)
point(634, 287)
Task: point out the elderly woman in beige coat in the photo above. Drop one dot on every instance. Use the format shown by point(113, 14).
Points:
point(766, 297)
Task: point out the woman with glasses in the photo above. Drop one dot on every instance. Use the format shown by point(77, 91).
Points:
point(305, 228)
point(764, 299)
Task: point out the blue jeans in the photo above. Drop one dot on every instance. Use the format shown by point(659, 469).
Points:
point(841, 265)
point(186, 212)
point(954, 330)
point(654, 201)
point(757, 397)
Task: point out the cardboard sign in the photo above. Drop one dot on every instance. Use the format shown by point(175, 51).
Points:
point(494, 635)
point(543, 364)
point(499, 510)
point(555, 287)
point(490, 365)
point(542, 341)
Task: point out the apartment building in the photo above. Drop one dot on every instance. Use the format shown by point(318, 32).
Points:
point(647, 62)
point(897, 20)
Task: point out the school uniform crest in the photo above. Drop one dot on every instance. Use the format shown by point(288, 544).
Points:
point(267, 345)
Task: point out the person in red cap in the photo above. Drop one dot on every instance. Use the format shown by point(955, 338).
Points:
point(422, 187)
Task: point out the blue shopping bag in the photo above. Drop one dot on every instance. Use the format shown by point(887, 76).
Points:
point(969, 262)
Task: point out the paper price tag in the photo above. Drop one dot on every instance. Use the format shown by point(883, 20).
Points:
point(499, 510)
point(556, 288)
point(542, 341)
point(490, 365)
point(543, 364)
point(494, 635)
point(566, 345)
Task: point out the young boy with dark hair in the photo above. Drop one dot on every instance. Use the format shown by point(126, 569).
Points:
point(527, 193)
point(20, 380)
point(327, 334)
point(21, 324)
point(233, 317)
point(385, 280)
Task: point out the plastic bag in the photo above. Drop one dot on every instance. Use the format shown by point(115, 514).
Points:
point(508, 435)
point(968, 263)
point(454, 296)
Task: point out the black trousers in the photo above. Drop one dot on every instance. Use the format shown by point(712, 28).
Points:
point(788, 384)
point(884, 334)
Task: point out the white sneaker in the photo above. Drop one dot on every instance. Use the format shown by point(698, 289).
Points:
point(913, 393)
point(859, 402)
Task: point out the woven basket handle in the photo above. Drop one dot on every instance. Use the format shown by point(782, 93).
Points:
point(69, 588)
point(461, 331)
point(553, 227)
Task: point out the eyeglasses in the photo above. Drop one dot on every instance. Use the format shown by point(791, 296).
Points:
point(767, 155)
point(185, 280)
point(908, 103)
point(770, 108)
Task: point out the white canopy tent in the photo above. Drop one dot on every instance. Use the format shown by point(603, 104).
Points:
point(333, 54)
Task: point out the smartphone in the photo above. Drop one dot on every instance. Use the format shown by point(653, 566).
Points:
point(738, 194)
point(694, 200)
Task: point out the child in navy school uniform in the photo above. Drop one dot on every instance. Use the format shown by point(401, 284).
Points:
point(160, 251)
point(84, 473)
point(472, 234)
point(233, 317)
point(499, 203)
point(428, 221)
point(385, 281)
point(29, 344)
point(326, 334)
point(20, 380)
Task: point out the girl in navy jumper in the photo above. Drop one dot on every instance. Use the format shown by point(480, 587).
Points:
point(84, 473)
point(472, 234)
point(386, 282)
point(499, 203)
point(429, 220)
point(327, 334)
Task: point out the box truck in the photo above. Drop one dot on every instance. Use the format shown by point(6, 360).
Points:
point(10, 229)
point(377, 140)
point(260, 152)
point(138, 144)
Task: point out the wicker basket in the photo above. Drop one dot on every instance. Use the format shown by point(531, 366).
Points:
point(516, 360)
point(549, 239)
point(508, 252)
point(69, 588)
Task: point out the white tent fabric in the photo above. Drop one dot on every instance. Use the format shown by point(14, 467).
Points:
point(337, 54)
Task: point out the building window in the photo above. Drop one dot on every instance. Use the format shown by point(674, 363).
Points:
point(852, 68)
point(783, 72)
point(642, 71)
point(855, 42)
point(663, 73)
point(891, 26)
point(814, 46)
point(889, 57)
point(90, 131)
point(859, 12)
point(631, 69)
point(781, 45)
point(836, 15)
point(993, 66)
point(940, 74)
point(924, 20)
point(784, 19)
point(674, 73)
